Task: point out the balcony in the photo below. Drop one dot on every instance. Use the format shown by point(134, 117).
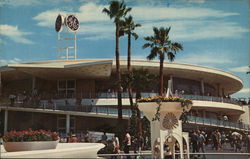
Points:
point(108, 111)
point(217, 123)
point(59, 105)
point(47, 96)
point(148, 94)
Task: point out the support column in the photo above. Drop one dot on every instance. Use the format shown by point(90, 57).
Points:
point(5, 130)
point(67, 123)
point(202, 87)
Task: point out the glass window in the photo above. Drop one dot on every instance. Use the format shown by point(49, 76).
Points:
point(70, 84)
point(62, 84)
point(66, 87)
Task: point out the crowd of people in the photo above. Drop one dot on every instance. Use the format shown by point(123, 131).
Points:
point(220, 141)
point(112, 143)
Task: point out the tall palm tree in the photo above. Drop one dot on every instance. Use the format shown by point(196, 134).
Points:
point(161, 45)
point(140, 80)
point(128, 28)
point(116, 11)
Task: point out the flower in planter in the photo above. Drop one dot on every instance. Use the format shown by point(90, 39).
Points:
point(30, 135)
point(159, 99)
point(165, 99)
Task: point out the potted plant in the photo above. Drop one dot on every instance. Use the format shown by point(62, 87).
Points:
point(164, 105)
point(28, 140)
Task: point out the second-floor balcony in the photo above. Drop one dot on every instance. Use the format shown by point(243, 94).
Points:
point(99, 95)
point(110, 111)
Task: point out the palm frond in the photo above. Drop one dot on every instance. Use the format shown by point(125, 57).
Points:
point(116, 10)
point(176, 46)
point(151, 38)
point(127, 10)
point(137, 25)
point(167, 30)
point(171, 56)
point(129, 20)
point(153, 53)
point(106, 11)
point(146, 45)
point(135, 35)
point(156, 31)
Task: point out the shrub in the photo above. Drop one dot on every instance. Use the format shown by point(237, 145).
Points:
point(30, 135)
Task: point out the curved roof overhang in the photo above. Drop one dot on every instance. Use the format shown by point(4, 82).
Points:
point(64, 69)
point(102, 68)
point(215, 77)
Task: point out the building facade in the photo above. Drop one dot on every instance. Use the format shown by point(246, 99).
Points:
point(79, 95)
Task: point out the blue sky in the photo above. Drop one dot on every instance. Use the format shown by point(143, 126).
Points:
point(213, 33)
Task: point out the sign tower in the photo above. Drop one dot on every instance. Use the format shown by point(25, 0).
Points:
point(67, 48)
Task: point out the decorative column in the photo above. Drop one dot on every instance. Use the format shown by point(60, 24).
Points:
point(202, 87)
point(5, 130)
point(67, 123)
point(167, 126)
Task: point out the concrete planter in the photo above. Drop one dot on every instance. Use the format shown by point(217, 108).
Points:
point(29, 146)
point(63, 150)
point(149, 108)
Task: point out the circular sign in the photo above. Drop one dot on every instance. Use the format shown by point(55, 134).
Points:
point(169, 121)
point(59, 23)
point(72, 23)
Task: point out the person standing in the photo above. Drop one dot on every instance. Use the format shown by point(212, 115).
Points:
point(127, 143)
point(194, 141)
point(116, 145)
point(104, 137)
point(140, 142)
point(87, 137)
point(12, 98)
point(201, 143)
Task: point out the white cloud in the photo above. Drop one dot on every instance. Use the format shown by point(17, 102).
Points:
point(196, 25)
point(188, 30)
point(159, 13)
point(240, 69)
point(5, 61)
point(17, 3)
point(244, 90)
point(89, 12)
point(47, 18)
point(15, 34)
point(205, 58)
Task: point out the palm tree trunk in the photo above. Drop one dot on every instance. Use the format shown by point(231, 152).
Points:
point(129, 53)
point(130, 92)
point(118, 73)
point(161, 75)
point(138, 115)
